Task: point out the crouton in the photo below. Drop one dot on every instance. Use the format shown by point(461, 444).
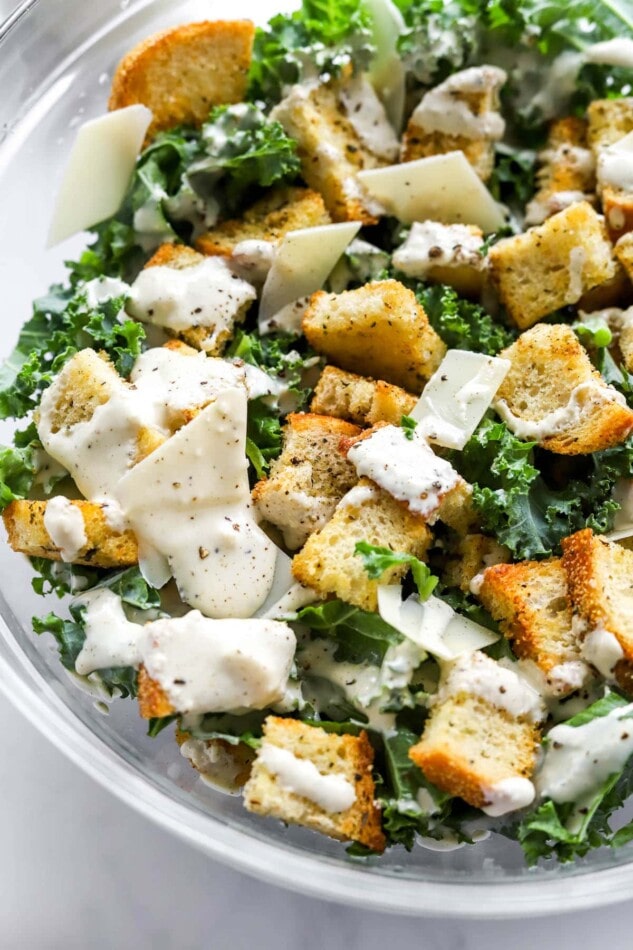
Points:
point(600, 581)
point(308, 479)
point(378, 330)
point(360, 399)
point(104, 547)
point(474, 553)
point(181, 73)
point(531, 603)
point(209, 337)
point(610, 294)
point(471, 746)
point(462, 113)
point(445, 254)
point(552, 265)
point(457, 510)
point(552, 394)
point(153, 702)
point(288, 742)
point(607, 121)
point(328, 564)
point(330, 150)
point(221, 763)
point(567, 170)
point(281, 210)
point(624, 252)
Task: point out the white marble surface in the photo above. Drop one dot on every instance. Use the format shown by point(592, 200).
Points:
point(80, 870)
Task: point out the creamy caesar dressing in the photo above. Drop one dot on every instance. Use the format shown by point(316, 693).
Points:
point(101, 289)
point(333, 793)
point(543, 207)
point(218, 763)
point(358, 496)
point(579, 759)
point(206, 665)
point(190, 501)
point(430, 244)
point(208, 294)
point(252, 259)
point(442, 110)
point(509, 794)
point(601, 648)
point(615, 52)
point(615, 165)
point(111, 640)
point(478, 675)
point(577, 259)
point(457, 396)
point(64, 523)
point(585, 396)
point(47, 470)
point(368, 118)
point(407, 468)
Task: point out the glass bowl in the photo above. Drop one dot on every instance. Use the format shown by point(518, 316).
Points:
point(56, 61)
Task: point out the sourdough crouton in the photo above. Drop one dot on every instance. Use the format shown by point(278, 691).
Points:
point(624, 252)
point(472, 746)
point(328, 564)
point(153, 702)
point(607, 121)
point(474, 553)
point(552, 394)
point(181, 73)
point(303, 774)
point(281, 210)
point(308, 479)
point(360, 399)
point(213, 329)
point(567, 170)
point(551, 265)
point(445, 254)
point(531, 603)
point(330, 149)
point(378, 330)
point(462, 113)
point(25, 522)
point(600, 581)
point(220, 763)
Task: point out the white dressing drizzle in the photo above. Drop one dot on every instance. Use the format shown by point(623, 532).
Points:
point(64, 523)
point(441, 111)
point(510, 794)
point(367, 116)
point(430, 244)
point(479, 675)
point(332, 793)
point(583, 397)
point(111, 640)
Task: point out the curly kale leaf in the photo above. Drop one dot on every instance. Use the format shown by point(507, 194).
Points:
point(377, 560)
point(320, 38)
point(439, 38)
point(16, 474)
point(359, 636)
point(462, 324)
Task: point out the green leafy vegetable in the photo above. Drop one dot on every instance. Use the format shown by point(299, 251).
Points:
point(377, 560)
point(321, 38)
point(512, 179)
point(593, 333)
point(439, 38)
point(246, 728)
point(409, 426)
point(462, 324)
point(360, 636)
point(16, 474)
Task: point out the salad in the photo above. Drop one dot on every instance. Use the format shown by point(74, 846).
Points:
point(326, 441)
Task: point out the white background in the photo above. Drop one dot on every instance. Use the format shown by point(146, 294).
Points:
point(80, 870)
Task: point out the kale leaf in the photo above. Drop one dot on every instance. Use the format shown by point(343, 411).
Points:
point(439, 38)
point(462, 324)
point(377, 560)
point(16, 474)
point(360, 636)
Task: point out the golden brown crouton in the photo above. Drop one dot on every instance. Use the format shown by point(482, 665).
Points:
point(153, 702)
point(567, 170)
point(348, 757)
point(308, 479)
point(378, 330)
point(360, 399)
point(553, 394)
point(202, 337)
point(624, 253)
point(600, 580)
point(328, 563)
point(531, 603)
point(281, 210)
point(181, 73)
point(462, 113)
point(607, 121)
point(444, 254)
point(551, 265)
point(329, 148)
point(474, 553)
point(104, 547)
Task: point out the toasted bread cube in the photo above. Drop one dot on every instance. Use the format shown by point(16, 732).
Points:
point(445, 254)
point(209, 338)
point(607, 121)
point(349, 758)
point(624, 252)
point(470, 746)
point(462, 113)
point(378, 330)
point(475, 552)
point(360, 399)
point(104, 547)
point(567, 170)
point(600, 581)
point(328, 563)
point(153, 702)
point(221, 763)
point(181, 73)
point(610, 294)
point(552, 383)
point(308, 479)
point(551, 265)
point(531, 603)
point(330, 150)
point(281, 210)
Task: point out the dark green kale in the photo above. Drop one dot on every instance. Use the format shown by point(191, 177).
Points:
point(377, 560)
point(359, 636)
point(462, 324)
point(440, 37)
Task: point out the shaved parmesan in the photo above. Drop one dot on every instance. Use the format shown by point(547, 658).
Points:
point(98, 171)
point(442, 188)
point(457, 396)
point(432, 625)
point(302, 262)
point(386, 70)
